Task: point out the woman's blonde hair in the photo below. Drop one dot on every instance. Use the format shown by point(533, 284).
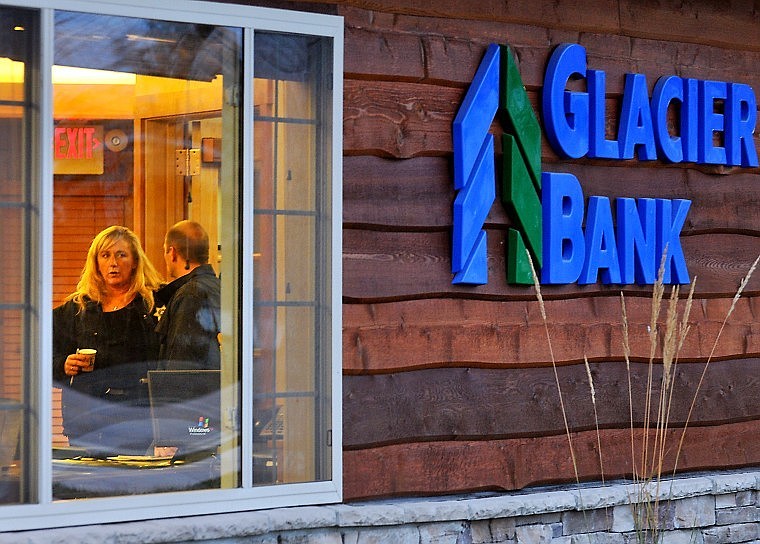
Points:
point(145, 279)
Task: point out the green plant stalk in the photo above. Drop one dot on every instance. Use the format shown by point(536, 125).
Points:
point(657, 293)
point(596, 417)
point(683, 331)
point(541, 306)
point(668, 355)
point(627, 355)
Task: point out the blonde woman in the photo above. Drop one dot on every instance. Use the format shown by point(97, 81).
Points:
point(105, 408)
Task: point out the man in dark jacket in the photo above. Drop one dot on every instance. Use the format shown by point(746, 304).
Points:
point(190, 324)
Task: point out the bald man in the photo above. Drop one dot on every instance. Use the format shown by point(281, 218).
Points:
point(190, 324)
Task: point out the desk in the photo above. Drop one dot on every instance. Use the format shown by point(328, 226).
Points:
point(83, 477)
point(80, 478)
point(10, 484)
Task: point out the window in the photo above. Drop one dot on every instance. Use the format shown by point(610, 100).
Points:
point(292, 276)
point(141, 117)
point(19, 225)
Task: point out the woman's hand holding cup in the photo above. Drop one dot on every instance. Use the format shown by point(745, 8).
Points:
point(81, 361)
point(89, 358)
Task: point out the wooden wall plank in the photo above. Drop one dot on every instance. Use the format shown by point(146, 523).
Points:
point(109, 189)
point(384, 53)
point(384, 266)
point(412, 194)
point(380, 46)
point(382, 338)
point(482, 404)
point(397, 120)
point(445, 467)
point(732, 25)
point(404, 120)
point(418, 194)
point(573, 13)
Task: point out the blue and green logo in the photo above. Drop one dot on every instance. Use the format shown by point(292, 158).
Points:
point(570, 238)
point(496, 92)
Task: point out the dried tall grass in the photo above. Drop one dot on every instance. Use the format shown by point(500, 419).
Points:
point(668, 339)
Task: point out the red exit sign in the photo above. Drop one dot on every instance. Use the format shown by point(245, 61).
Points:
point(78, 149)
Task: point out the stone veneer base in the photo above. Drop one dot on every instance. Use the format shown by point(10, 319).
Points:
point(698, 509)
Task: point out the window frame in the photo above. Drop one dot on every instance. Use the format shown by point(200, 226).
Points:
point(44, 512)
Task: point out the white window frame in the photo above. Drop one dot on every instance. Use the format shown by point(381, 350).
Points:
point(47, 513)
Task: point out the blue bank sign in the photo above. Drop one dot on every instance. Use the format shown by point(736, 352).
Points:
point(716, 123)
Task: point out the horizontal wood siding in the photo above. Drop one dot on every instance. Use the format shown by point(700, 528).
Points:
point(454, 388)
point(442, 467)
point(482, 404)
point(447, 332)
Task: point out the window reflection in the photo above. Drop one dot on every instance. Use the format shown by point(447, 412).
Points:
point(18, 30)
point(291, 271)
point(147, 133)
point(180, 51)
point(144, 138)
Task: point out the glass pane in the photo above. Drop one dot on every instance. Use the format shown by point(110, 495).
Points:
point(12, 74)
point(12, 404)
point(284, 258)
point(17, 296)
point(291, 259)
point(147, 180)
point(12, 289)
point(295, 180)
point(296, 250)
point(264, 160)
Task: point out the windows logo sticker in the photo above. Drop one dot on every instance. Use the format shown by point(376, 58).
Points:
point(497, 91)
point(201, 428)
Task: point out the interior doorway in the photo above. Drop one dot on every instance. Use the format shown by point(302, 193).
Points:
point(181, 179)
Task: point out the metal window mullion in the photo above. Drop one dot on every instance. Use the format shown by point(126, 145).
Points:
point(288, 395)
point(287, 304)
point(275, 236)
point(287, 120)
point(44, 258)
point(285, 213)
point(336, 267)
point(247, 243)
point(321, 357)
point(11, 306)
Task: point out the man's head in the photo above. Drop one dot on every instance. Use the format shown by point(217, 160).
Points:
point(185, 248)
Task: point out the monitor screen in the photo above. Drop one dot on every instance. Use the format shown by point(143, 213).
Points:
point(185, 408)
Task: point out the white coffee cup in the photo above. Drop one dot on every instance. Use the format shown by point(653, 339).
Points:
point(90, 353)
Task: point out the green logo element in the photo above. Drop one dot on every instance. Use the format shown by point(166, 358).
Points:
point(521, 172)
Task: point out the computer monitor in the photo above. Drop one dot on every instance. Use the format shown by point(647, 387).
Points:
point(185, 409)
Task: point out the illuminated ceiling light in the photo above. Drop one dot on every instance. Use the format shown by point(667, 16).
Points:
point(136, 38)
point(19, 28)
point(11, 71)
point(87, 76)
